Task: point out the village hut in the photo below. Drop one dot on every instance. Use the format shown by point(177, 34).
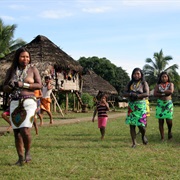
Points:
point(52, 61)
point(95, 85)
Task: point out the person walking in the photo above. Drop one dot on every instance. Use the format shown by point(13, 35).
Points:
point(5, 115)
point(20, 82)
point(101, 107)
point(164, 109)
point(38, 95)
point(137, 90)
point(46, 98)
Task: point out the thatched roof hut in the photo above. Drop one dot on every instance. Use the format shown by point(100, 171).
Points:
point(44, 54)
point(93, 84)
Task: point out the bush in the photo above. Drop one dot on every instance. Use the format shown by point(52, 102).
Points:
point(176, 103)
point(88, 99)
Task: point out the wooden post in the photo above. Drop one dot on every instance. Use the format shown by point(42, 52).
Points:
point(57, 104)
point(67, 102)
point(74, 105)
point(53, 104)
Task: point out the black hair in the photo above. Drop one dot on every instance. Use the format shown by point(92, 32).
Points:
point(162, 73)
point(15, 62)
point(47, 77)
point(103, 95)
point(132, 78)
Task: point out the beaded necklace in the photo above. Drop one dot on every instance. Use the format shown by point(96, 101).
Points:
point(21, 74)
point(164, 86)
point(135, 86)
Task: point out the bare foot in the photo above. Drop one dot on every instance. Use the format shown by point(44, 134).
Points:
point(102, 137)
point(144, 140)
point(162, 139)
point(20, 162)
point(170, 136)
point(51, 121)
point(133, 146)
point(41, 123)
point(9, 128)
point(28, 159)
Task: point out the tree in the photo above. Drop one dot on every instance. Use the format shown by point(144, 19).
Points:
point(154, 68)
point(116, 76)
point(7, 44)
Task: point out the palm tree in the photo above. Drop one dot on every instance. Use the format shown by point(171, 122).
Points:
point(7, 44)
point(154, 68)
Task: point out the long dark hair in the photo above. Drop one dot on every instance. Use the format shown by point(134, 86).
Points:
point(132, 78)
point(162, 73)
point(15, 63)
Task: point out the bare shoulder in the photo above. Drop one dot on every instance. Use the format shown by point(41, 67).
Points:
point(145, 83)
point(33, 69)
point(171, 85)
point(156, 86)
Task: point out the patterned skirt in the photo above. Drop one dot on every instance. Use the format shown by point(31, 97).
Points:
point(22, 112)
point(147, 108)
point(136, 114)
point(164, 109)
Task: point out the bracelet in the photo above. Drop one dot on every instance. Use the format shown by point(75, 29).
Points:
point(26, 85)
point(163, 94)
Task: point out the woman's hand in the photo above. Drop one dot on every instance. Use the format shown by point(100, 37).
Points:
point(18, 84)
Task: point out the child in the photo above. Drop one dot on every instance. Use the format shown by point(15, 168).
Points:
point(5, 115)
point(102, 107)
point(38, 94)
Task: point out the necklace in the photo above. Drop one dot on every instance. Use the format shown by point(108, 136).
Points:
point(135, 86)
point(21, 74)
point(164, 86)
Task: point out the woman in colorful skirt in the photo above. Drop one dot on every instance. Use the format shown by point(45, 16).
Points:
point(20, 82)
point(137, 90)
point(164, 109)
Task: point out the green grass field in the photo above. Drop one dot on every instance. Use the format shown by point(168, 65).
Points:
point(75, 151)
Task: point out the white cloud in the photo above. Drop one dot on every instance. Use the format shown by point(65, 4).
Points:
point(154, 3)
point(53, 14)
point(7, 18)
point(96, 10)
point(17, 7)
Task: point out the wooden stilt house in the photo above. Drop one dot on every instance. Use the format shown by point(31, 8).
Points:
point(95, 85)
point(52, 61)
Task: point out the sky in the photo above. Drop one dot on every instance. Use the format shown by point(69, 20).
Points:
point(126, 32)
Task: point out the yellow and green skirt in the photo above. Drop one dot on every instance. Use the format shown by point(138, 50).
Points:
point(147, 108)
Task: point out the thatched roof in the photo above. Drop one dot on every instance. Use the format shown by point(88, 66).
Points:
point(92, 84)
point(44, 53)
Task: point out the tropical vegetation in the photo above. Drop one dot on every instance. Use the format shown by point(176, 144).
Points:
point(116, 76)
point(7, 43)
point(103, 67)
point(153, 68)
